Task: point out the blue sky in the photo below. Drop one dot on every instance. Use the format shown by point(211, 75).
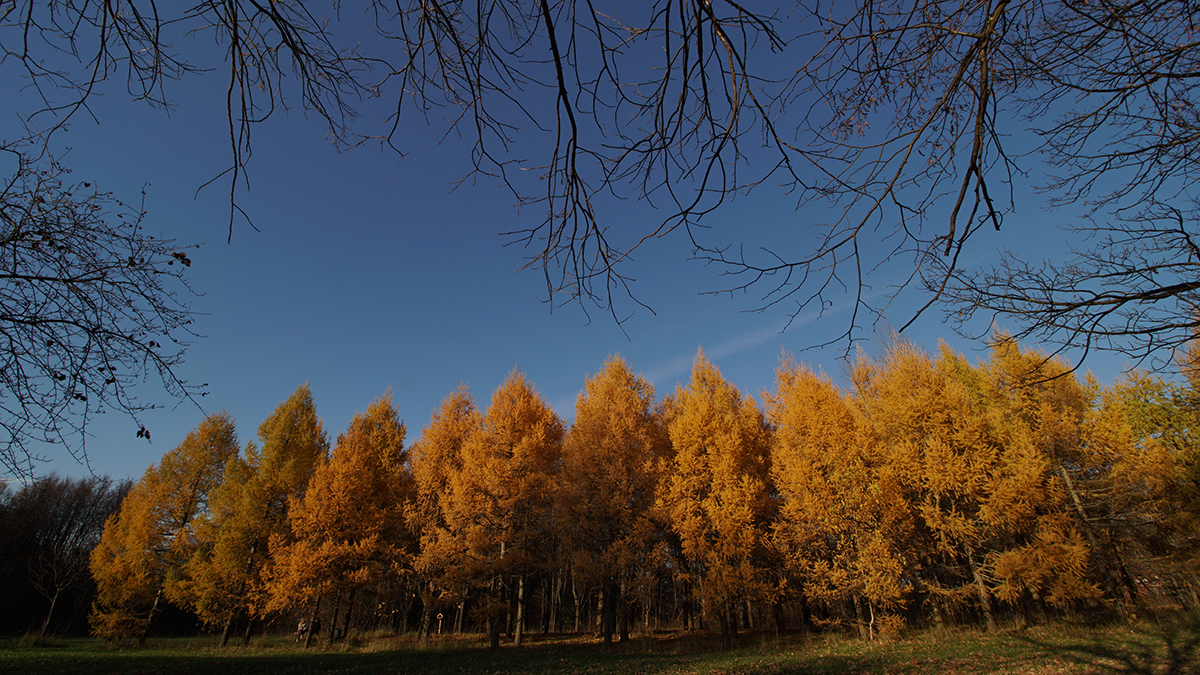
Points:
point(369, 272)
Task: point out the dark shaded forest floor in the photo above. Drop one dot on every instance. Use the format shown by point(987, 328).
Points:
point(1169, 647)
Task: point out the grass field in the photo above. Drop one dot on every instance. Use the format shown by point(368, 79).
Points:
point(1168, 648)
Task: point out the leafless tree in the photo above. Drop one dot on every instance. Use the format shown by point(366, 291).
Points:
point(49, 528)
point(90, 305)
point(912, 122)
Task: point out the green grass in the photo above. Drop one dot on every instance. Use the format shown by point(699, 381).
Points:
point(1161, 649)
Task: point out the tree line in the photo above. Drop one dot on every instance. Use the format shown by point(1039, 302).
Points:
point(926, 490)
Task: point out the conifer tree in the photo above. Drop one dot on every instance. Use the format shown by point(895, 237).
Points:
point(498, 503)
point(224, 577)
point(348, 531)
point(613, 458)
point(436, 457)
point(717, 493)
point(214, 583)
point(145, 545)
point(987, 498)
point(844, 527)
point(1141, 491)
point(1040, 407)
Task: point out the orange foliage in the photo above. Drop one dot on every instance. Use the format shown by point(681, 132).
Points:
point(145, 545)
point(716, 493)
point(348, 528)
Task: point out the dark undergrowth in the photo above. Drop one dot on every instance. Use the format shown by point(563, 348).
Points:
point(1165, 647)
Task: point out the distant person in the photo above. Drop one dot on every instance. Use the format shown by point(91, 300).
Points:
point(301, 630)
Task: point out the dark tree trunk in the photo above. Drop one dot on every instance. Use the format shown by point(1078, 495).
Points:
point(426, 614)
point(250, 621)
point(622, 606)
point(349, 612)
point(312, 622)
point(985, 597)
point(229, 624)
point(519, 629)
point(150, 617)
point(608, 610)
point(723, 621)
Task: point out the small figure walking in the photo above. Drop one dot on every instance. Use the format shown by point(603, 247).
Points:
point(301, 630)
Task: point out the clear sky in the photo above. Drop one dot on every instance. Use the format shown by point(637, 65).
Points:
point(369, 272)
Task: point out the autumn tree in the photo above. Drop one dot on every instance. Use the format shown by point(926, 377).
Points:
point(1039, 407)
point(224, 577)
point(1140, 490)
point(1033, 390)
point(988, 500)
point(613, 458)
point(436, 458)
point(145, 546)
point(845, 529)
point(717, 492)
point(347, 532)
point(498, 504)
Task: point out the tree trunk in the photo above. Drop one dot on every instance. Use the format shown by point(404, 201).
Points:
point(600, 609)
point(723, 620)
point(1115, 580)
point(349, 612)
point(544, 614)
point(493, 633)
point(985, 597)
point(312, 622)
point(494, 613)
point(150, 617)
point(426, 614)
point(249, 631)
point(871, 625)
point(402, 628)
point(556, 601)
point(333, 619)
point(506, 592)
point(685, 608)
point(578, 627)
point(608, 610)
point(622, 607)
point(520, 627)
point(49, 614)
point(228, 631)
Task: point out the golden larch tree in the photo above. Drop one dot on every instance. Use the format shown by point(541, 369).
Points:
point(224, 577)
point(717, 492)
point(436, 457)
point(613, 457)
point(986, 495)
point(348, 531)
point(844, 529)
point(1039, 408)
point(145, 545)
point(498, 504)
point(1140, 488)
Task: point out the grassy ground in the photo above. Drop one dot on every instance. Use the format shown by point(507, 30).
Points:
point(1171, 648)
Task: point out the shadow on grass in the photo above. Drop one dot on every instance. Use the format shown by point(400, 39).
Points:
point(687, 653)
point(1172, 648)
